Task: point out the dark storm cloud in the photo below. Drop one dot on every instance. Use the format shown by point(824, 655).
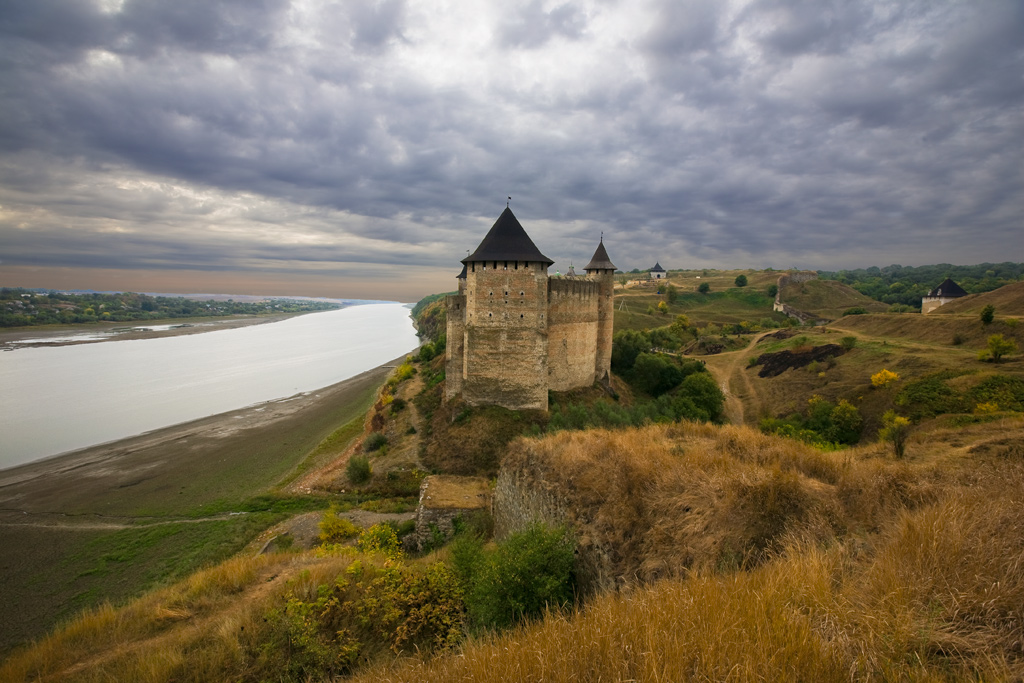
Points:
point(223, 134)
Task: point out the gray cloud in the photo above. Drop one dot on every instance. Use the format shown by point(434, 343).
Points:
point(265, 135)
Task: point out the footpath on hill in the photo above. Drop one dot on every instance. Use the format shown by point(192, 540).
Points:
point(725, 367)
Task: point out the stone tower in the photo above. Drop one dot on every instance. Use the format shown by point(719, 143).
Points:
point(602, 270)
point(514, 333)
point(504, 355)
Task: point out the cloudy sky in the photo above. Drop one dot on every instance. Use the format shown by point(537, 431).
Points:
point(359, 148)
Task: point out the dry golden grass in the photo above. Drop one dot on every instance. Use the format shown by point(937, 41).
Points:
point(736, 555)
point(936, 595)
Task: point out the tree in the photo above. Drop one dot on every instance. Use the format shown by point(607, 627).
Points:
point(773, 290)
point(704, 288)
point(988, 314)
point(999, 347)
point(883, 378)
point(895, 430)
point(671, 294)
point(741, 280)
point(662, 307)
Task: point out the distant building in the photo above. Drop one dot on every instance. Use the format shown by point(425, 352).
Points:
point(943, 294)
point(657, 272)
point(514, 333)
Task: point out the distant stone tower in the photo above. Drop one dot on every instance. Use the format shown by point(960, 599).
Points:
point(514, 333)
point(602, 270)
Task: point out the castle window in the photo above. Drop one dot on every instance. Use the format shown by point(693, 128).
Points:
point(491, 294)
point(495, 264)
point(522, 293)
point(489, 315)
point(506, 293)
point(506, 265)
point(520, 315)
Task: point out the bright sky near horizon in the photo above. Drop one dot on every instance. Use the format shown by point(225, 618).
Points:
point(360, 148)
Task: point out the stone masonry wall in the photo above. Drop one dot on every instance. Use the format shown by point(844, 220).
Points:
point(572, 333)
point(523, 496)
point(506, 342)
point(456, 344)
point(605, 322)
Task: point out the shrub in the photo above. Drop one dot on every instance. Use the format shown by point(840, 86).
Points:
point(662, 308)
point(704, 288)
point(773, 290)
point(895, 430)
point(958, 339)
point(335, 529)
point(856, 310)
point(397, 405)
point(380, 538)
point(375, 442)
point(530, 571)
point(883, 378)
point(426, 353)
point(988, 314)
point(848, 343)
point(358, 469)
point(998, 347)
point(741, 280)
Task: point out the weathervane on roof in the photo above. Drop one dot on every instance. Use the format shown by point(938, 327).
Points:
point(508, 202)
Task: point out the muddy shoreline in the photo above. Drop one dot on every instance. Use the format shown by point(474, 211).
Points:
point(54, 511)
point(15, 338)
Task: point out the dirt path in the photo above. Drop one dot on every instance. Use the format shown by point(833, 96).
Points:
point(725, 368)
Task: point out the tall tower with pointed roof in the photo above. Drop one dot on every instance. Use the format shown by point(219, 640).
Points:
point(514, 333)
point(602, 270)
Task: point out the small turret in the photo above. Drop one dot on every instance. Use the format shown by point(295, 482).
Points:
point(602, 270)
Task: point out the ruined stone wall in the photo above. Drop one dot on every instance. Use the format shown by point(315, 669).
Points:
point(506, 335)
point(456, 344)
point(523, 495)
point(572, 333)
point(794, 278)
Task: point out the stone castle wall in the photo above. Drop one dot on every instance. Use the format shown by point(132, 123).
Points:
point(456, 344)
point(506, 341)
point(572, 333)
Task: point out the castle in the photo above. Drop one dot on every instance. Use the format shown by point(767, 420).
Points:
point(514, 333)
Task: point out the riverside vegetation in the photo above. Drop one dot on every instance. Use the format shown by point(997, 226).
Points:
point(728, 552)
point(23, 307)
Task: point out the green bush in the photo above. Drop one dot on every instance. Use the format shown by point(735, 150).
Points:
point(525, 574)
point(375, 442)
point(740, 281)
point(856, 310)
point(380, 538)
point(358, 469)
point(848, 343)
point(988, 314)
point(335, 529)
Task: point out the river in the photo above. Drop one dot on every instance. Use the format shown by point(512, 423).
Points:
point(59, 399)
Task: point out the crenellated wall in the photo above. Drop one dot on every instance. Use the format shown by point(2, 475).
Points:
point(572, 333)
point(514, 334)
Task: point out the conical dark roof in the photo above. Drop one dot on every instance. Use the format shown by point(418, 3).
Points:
point(948, 288)
point(657, 268)
point(462, 275)
point(507, 241)
point(600, 260)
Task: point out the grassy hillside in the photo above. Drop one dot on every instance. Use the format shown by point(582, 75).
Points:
point(1008, 300)
point(827, 299)
point(723, 304)
point(747, 557)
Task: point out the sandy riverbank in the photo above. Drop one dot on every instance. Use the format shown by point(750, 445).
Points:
point(62, 335)
point(53, 511)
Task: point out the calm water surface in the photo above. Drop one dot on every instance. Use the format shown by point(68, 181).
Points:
point(54, 400)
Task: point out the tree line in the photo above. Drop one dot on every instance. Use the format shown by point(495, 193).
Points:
point(21, 307)
point(906, 285)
